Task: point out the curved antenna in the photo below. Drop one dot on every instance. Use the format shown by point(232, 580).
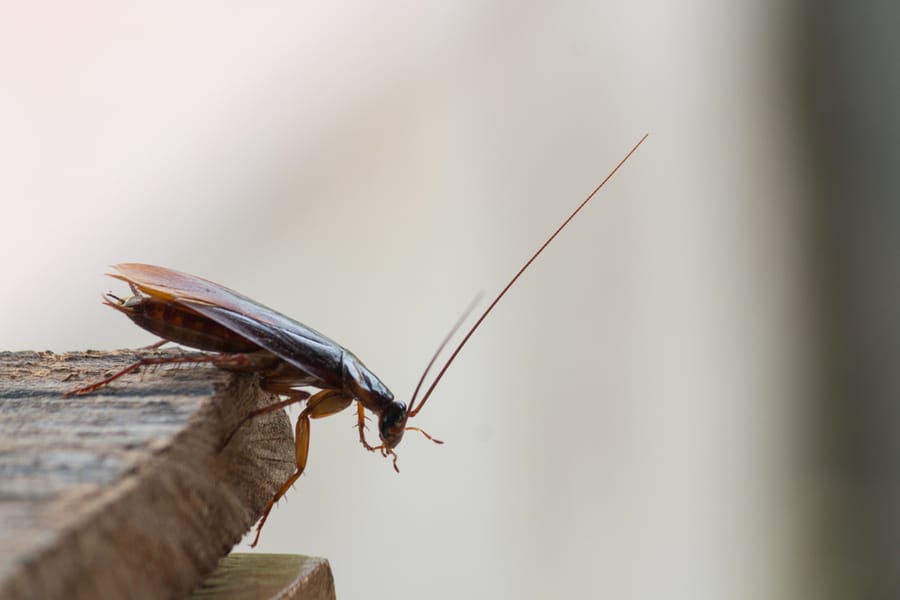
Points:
point(440, 348)
point(413, 412)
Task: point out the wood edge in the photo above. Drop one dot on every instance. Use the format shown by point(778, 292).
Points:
point(156, 531)
point(268, 576)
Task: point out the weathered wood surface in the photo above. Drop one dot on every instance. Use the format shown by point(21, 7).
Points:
point(125, 492)
point(258, 576)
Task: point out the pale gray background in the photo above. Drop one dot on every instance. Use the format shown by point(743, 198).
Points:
point(633, 421)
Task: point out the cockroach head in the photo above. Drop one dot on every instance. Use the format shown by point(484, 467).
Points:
point(392, 423)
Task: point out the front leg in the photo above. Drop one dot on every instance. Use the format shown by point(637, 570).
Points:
point(361, 425)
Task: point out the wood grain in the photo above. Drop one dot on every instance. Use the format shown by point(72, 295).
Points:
point(125, 492)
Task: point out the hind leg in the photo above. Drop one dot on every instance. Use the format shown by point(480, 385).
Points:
point(322, 404)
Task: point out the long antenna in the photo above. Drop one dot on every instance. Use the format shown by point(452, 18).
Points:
point(414, 411)
point(443, 343)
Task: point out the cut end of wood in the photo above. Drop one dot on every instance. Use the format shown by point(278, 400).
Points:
point(126, 492)
point(262, 576)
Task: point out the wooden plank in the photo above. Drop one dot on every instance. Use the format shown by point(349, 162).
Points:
point(258, 576)
point(125, 492)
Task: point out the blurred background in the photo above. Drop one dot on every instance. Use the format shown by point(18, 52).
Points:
point(692, 394)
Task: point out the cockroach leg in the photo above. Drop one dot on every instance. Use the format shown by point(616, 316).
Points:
point(294, 396)
point(230, 362)
point(321, 404)
point(361, 425)
point(155, 345)
point(195, 358)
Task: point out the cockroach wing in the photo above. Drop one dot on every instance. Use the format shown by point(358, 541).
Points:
point(292, 341)
point(169, 284)
point(315, 355)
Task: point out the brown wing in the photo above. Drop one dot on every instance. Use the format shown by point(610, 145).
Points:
point(294, 342)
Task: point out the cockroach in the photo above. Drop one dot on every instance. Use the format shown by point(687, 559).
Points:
point(241, 334)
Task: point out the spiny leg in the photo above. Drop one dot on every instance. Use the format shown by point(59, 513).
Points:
point(196, 358)
point(361, 424)
point(302, 439)
point(321, 404)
